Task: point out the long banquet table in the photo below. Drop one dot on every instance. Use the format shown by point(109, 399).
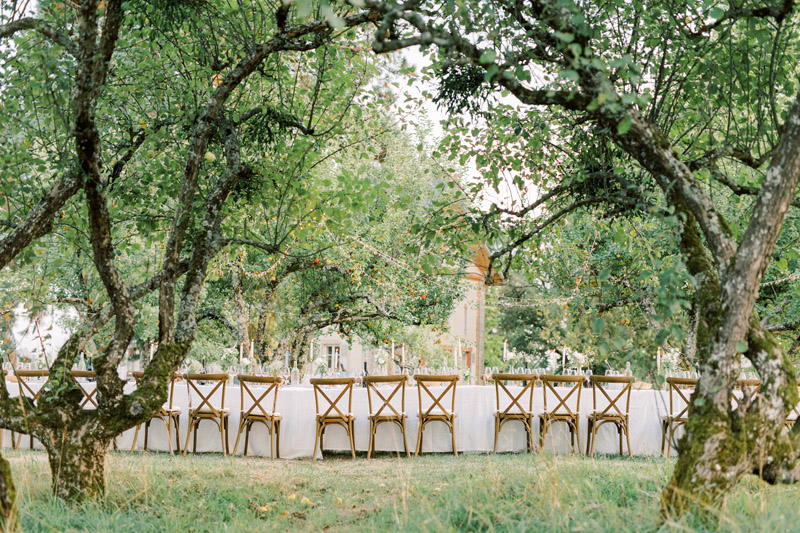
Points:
point(475, 408)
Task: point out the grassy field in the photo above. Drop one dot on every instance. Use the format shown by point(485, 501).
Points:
point(155, 492)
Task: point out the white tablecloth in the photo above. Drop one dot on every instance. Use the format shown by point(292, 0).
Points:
point(475, 408)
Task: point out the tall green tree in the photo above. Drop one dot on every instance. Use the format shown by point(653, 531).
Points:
point(137, 122)
point(685, 100)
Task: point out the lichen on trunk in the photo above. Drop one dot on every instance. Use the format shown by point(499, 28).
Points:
point(9, 520)
point(77, 465)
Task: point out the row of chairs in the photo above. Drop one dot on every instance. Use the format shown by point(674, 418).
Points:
point(386, 397)
point(680, 392)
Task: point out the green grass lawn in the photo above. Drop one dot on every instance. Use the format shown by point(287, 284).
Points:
point(156, 492)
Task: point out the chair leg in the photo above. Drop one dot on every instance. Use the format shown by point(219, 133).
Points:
point(663, 436)
point(188, 436)
point(277, 439)
point(453, 433)
point(351, 431)
point(178, 433)
point(619, 431)
point(419, 437)
point(628, 438)
point(589, 435)
point(248, 427)
point(372, 428)
point(222, 435)
point(194, 444)
point(272, 440)
point(238, 436)
point(133, 446)
point(572, 439)
point(578, 434)
point(316, 442)
point(496, 432)
point(405, 441)
point(168, 424)
point(542, 432)
point(669, 440)
point(146, 432)
point(594, 436)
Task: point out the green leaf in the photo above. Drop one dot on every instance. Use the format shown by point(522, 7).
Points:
point(488, 56)
point(716, 13)
point(624, 126)
point(741, 346)
point(597, 325)
point(570, 75)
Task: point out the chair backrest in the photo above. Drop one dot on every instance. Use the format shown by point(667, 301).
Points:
point(749, 388)
point(332, 407)
point(600, 383)
point(252, 385)
point(680, 390)
point(388, 403)
point(549, 382)
point(89, 395)
point(22, 381)
point(139, 374)
point(424, 382)
point(510, 401)
point(206, 400)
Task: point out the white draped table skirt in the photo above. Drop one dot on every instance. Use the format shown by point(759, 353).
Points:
point(475, 408)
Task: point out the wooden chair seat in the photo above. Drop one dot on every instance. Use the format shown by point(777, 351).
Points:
point(437, 411)
point(333, 413)
point(612, 414)
point(388, 417)
point(390, 406)
point(437, 414)
point(514, 416)
point(208, 411)
point(268, 416)
point(169, 415)
point(562, 412)
point(207, 408)
point(259, 389)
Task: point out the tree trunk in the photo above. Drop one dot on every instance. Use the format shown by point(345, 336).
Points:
point(77, 464)
point(9, 521)
point(241, 311)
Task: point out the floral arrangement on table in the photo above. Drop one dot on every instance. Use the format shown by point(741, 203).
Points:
point(274, 368)
point(380, 361)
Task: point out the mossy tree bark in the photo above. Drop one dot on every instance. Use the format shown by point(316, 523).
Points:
point(77, 440)
point(721, 443)
point(9, 520)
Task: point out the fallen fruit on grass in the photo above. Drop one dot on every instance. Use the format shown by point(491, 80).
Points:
point(291, 496)
point(305, 501)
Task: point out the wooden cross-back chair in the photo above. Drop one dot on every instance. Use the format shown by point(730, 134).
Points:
point(206, 408)
point(25, 389)
point(518, 406)
point(168, 414)
point(334, 414)
point(613, 413)
point(562, 412)
point(387, 408)
point(259, 410)
point(749, 388)
point(89, 394)
point(437, 411)
point(680, 391)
